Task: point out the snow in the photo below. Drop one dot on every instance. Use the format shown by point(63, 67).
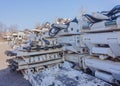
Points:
point(65, 76)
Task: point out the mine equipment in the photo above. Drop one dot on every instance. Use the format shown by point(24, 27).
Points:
point(16, 39)
point(91, 42)
point(40, 52)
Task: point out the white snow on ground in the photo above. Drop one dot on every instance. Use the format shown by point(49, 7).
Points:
point(65, 76)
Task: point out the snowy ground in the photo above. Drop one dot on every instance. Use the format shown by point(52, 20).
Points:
point(65, 76)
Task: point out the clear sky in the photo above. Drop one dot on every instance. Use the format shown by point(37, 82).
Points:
point(27, 13)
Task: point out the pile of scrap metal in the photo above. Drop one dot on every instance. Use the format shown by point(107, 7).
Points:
point(17, 38)
point(39, 52)
point(92, 43)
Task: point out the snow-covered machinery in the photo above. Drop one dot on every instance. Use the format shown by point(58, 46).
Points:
point(102, 38)
point(92, 43)
point(40, 52)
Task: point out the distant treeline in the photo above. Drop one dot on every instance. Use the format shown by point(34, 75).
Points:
point(4, 29)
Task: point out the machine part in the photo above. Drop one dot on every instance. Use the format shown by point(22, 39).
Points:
point(36, 60)
point(114, 46)
point(108, 23)
point(102, 51)
point(37, 53)
point(16, 39)
point(70, 43)
point(46, 41)
point(108, 45)
point(105, 76)
point(92, 19)
point(114, 11)
point(70, 28)
point(10, 53)
point(104, 65)
point(100, 16)
point(75, 58)
point(56, 28)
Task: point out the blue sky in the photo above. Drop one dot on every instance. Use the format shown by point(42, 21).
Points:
point(27, 13)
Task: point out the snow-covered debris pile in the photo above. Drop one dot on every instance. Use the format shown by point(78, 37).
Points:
point(65, 76)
